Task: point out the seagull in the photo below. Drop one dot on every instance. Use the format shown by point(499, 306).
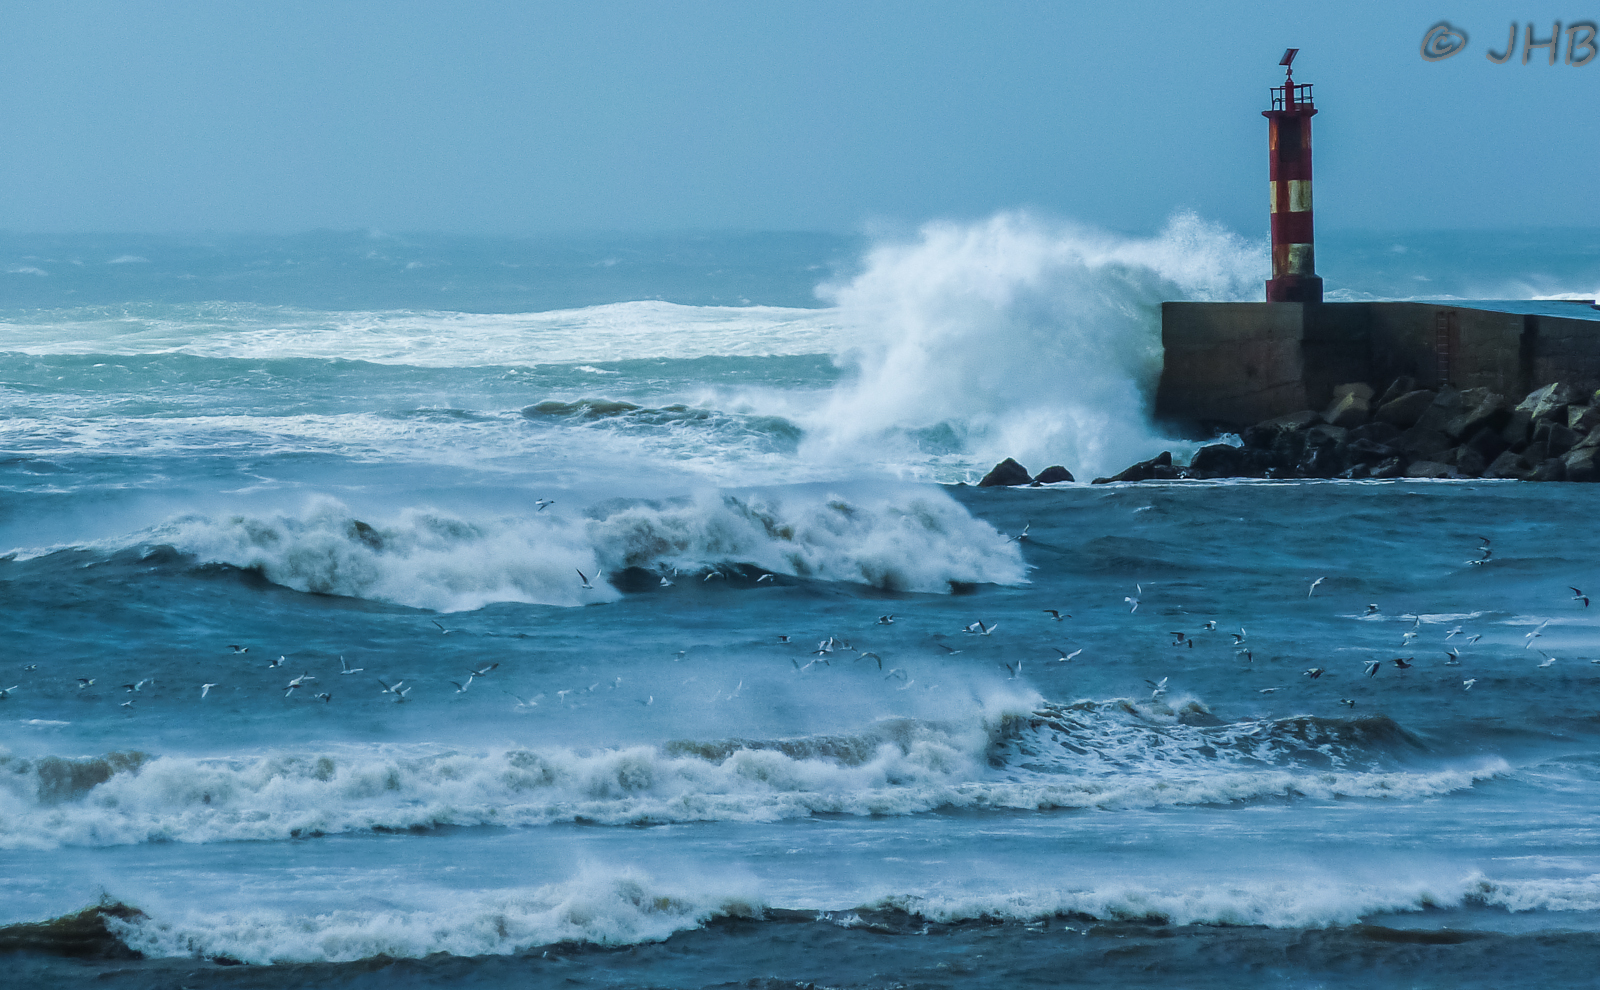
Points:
point(323, 696)
point(442, 630)
point(664, 582)
point(1134, 601)
point(1579, 596)
point(1249, 656)
point(711, 574)
point(1314, 586)
point(84, 682)
point(648, 701)
point(614, 684)
point(6, 692)
point(532, 702)
point(1058, 616)
point(1315, 672)
point(393, 689)
point(1065, 656)
point(276, 663)
point(1179, 638)
point(1373, 667)
point(1548, 659)
point(1347, 702)
point(886, 620)
point(1403, 662)
point(1238, 637)
point(561, 696)
point(1267, 690)
point(460, 687)
point(205, 689)
point(239, 649)
point(1487, 553)
point(1454, 632)
point(586, 585)
point(128, 703)
point(1015, 672)
point(1474, 638)
point(873, 656)
point(900, 672)
point(1455, 657)
point(543, 503)
point(783, 639)
point(346, 668)
point(31, 666)
point(1466, 685)
point(1530, 637)
point(1211, 625)
point(1372, 608)
point(949, 650)
point(1407, 636)
point(981, 629)
point(764, 577)
point(1022, 535)
point(483, 671)
point(1160, 688)
point(400, 696)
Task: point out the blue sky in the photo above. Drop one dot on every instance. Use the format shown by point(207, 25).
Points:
point(529, 118)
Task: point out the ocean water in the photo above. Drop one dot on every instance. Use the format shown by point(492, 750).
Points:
point(620, 613)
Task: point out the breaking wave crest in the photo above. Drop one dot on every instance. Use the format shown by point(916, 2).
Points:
point(1109, 755)
point(920, 542)
point(1013, 337)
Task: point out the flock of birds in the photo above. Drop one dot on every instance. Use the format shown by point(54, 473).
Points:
point(834, 647)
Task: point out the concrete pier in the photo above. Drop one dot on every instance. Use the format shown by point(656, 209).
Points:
point(1235, 364)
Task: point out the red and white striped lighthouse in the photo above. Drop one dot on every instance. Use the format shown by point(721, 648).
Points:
point(1294, 270)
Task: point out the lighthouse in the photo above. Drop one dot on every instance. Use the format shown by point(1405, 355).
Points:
point(1294, 270)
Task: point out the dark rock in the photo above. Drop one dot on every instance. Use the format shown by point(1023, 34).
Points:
point(1535, 453)
point(1582, 464)
point(1220, 460)
point(1448, 458)
point(1293, 421)
point(1323, 435)
point(1518, 425)
point(1429, 469)
point(1400, 386)
point(1353, 388)
point(1488, 442)
point(1144, 470)
point(1320, 462)
point(1368, 453)
point(1006, 474)
point(1558, 438)
point(1052, 475)
point(1446, 406)
point(1509, 465)
point(1549, 400)
point(1354, 471)
point(1551, 469)
point(1483, 409)
point(1406, 410)
point(1348, 410)
point(1582, 419)
point(1165, 472)
point(1470, 461)
point(1394, 467)
point(1423, 444)
point(1376, 432)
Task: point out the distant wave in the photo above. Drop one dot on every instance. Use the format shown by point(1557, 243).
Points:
point(1107, 755)
point(429, 339)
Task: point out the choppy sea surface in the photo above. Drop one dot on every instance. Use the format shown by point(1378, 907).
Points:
point(628, 618)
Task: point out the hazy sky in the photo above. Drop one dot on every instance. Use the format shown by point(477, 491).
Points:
point(531, 118)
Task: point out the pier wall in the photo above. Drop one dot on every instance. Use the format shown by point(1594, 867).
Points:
point(1241, 363)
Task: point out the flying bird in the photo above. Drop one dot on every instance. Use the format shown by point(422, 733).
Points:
point(1404, 663)
point(1530, 637)
point(1315, 672)
point(1022, 535)
point(886, 620)
point(6, 692)
point(483, 671)
point(205, 689)
point(586, 585)
point(239, 649)
point(1313, 589)
point(1134, 601)
point(442, 630)
point(345, 668)
point(764, 577)
point(1058, 616)
point(1579, 596)
point(1373, 666)
point(543, 503)
point(1065, 656)
point(1466, 685)
point(1372, 608)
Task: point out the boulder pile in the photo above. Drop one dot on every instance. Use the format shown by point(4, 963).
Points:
point(1551, 434)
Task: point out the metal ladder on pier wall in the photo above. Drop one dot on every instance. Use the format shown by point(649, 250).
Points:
point(1446, 341)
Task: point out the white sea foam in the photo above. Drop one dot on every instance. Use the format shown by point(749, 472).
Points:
point(612, 332)
point(598, 906)
point(911, 541)
point(1000, 756)
point(1020, 338)
point(616, 907)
